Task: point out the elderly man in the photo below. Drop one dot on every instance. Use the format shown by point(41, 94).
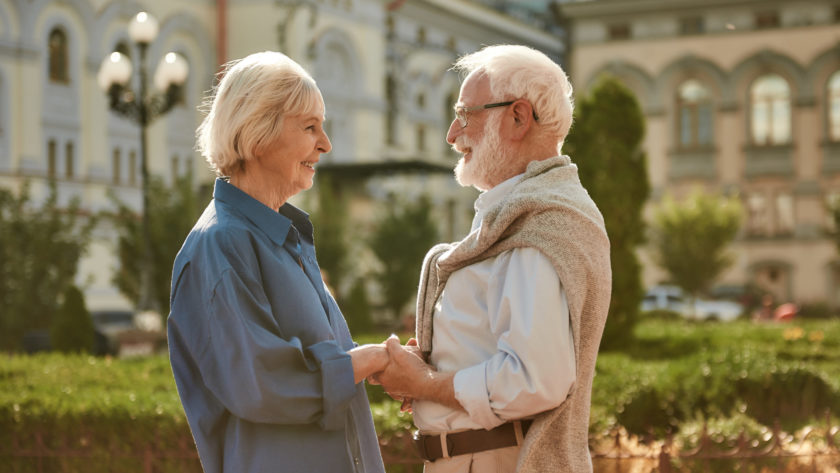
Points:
point(510, 318)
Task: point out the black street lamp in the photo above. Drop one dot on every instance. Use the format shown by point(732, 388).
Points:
point(114, 78)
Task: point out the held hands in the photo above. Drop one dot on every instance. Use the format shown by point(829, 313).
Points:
point(405, 373)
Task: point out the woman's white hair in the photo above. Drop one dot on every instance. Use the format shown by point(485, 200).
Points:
point(520, 72)
point(245, 111)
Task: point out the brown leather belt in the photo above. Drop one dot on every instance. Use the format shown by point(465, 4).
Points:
point(471, 441)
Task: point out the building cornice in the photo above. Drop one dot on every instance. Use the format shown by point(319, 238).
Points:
point(492, 19)
point(600, 8)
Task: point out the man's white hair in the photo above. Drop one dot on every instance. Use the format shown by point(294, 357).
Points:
point(520, 72)
point(246, 109)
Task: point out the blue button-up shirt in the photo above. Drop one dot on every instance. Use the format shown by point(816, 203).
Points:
point(259, 347)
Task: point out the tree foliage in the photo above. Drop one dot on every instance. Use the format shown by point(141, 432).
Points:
point(400, 240)
point(72, 329)
point(172, 214)
point(330, 222)
point(605, 142)
point(40, 248)
point(356, 308)
point(691, 237)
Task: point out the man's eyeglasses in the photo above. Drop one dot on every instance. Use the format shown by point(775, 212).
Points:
point(461, 112)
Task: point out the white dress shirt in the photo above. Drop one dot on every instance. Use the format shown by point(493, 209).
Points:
point(502, 325)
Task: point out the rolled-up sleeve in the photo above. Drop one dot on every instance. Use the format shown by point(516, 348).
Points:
point(261, 377)
point(533, 368)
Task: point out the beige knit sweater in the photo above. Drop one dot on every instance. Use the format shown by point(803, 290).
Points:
point(549, 210)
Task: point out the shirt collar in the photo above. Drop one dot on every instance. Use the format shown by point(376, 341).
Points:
point(274, 223)
point(489, 198)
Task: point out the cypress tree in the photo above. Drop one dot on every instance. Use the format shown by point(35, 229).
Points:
point(605, 142)
point(72, 328)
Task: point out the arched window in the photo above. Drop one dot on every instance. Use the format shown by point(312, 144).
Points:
point(770, 102)
point(694, 105)
point(834, 107)
point(59, 63)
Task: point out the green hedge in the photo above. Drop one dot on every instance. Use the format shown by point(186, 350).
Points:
point(674, 376)
point(676, 372)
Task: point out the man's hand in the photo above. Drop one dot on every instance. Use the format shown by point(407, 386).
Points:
point(408, 377)
point(404, 370)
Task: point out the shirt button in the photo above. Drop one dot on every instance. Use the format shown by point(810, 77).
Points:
point(357, 461)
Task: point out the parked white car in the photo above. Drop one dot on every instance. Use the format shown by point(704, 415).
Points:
point(674, 299)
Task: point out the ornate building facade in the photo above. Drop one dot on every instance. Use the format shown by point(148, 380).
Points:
point(740, 97)
point(382, 67)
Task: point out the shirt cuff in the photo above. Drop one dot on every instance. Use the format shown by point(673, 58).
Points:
point(470, 386)
point(338, 386)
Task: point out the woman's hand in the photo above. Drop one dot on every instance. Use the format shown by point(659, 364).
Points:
point(368, 360)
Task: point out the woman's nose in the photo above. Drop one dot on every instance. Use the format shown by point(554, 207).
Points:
point(325, 144)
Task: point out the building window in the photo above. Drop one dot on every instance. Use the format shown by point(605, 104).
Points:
point(421, 138)
point(132, 168)
point(785, 219)
point(450, 43)
point(770, 101)
point(618, 31)
point(694, 103)
point(448, 104)
point(68, 160)
point(767, 19)
point(52, 150)
point(834, 107)
point(391, 118)
point(692, 25)
point(758, 223)
point(116, 165)
point(58, 66)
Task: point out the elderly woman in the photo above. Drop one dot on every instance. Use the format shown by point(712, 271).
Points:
point(267, 372)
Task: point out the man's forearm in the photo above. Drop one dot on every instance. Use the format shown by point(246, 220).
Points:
point(439, 387)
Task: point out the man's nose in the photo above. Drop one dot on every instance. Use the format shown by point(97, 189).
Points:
point(454, 131)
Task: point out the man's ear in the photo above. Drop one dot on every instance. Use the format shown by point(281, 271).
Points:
point(523, 119)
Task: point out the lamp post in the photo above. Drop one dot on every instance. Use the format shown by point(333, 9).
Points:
point(143, 107)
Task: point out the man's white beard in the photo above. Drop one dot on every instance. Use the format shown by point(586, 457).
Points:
point(487, 160)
